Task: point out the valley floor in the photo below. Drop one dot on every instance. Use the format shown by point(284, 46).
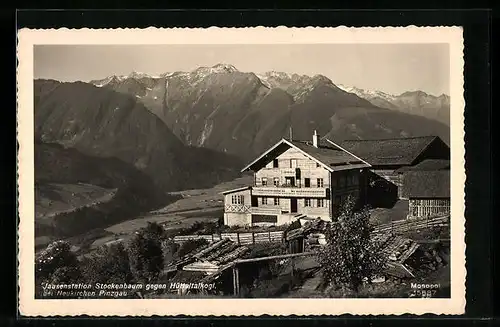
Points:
point(194, 206)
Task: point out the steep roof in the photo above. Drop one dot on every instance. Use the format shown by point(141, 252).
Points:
point(327, 154)
point(330, 155)
point(428, 164)
point(427, 184)
point(400, 151)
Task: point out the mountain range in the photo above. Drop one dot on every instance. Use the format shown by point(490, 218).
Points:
point(242, 113)
point(411, 102)
point(101, 157)
point(103, 123)
point(125, 142)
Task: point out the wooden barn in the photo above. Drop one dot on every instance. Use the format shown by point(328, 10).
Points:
point(389, 157)
point(428, 192)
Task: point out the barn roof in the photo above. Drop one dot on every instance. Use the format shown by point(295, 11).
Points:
point(396, 151)
point(427, 165)
point(427, 184)
point(327, 154)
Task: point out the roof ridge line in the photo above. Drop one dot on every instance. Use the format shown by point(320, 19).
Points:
point(392, 138)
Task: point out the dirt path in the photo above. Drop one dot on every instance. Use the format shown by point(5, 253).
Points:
point(308, 289)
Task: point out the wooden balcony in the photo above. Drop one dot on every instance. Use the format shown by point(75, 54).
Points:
point(265, 211)
point(281, 191)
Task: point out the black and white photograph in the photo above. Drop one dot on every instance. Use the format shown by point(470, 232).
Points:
point(225, 170)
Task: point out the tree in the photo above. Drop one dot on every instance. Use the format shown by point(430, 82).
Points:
point(154, 230)
point(145, 253)
point(108, 264)
point(350, 254)
point(57, 264)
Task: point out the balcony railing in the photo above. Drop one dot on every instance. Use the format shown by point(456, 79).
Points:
point(287, 191)
point(265, 211)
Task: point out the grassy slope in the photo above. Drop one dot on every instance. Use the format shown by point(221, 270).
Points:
point(53, 198)
point(76, 193)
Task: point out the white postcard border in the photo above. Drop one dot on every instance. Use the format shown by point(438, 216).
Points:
point(29, 306)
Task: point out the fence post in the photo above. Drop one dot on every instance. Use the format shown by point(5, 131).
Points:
point(212, 237)
point(269, 236)
point(236, 281)
point(253, 237)
point(238, 237)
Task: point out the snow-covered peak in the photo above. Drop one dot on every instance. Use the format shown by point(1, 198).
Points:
point(107, 80)
point(202, 72)
point(139, 75)
point(367, 94)
point(216, 69)
point(274, 79)
point(224, 68)
point(121, 78)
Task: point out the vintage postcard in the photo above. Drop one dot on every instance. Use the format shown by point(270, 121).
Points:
point(254, 171)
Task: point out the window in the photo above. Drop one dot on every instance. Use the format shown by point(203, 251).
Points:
point(276, 201)
point(275, 163)
point(290, 181)
point(348, 180)
point(293, 163)
point(276, 181)
point(307, 202)
point(342, 181)
point(334, 181)
point(264, 181)
point(264, 200)
point(237, 199)
point(354, 179)
point(320, 182)
point(307, 182)
point(321, 203)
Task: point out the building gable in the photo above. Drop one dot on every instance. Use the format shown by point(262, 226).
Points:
point(276, 150)
point(331, 157)
point(436, 149)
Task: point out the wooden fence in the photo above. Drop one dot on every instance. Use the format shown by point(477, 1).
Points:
point(245, 238)
point(240, 238)
point(412, 224)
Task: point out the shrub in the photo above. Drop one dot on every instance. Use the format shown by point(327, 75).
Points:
point(146, 254)
point(109, 264)
point(57, 256)
point(350, 254)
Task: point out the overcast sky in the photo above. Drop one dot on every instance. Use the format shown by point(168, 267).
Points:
point(392, 68)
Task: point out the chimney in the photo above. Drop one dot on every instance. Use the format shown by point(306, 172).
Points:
point(315, 139)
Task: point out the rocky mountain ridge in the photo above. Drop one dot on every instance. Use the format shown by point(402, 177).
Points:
point(412, 102)
point(242, 113)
